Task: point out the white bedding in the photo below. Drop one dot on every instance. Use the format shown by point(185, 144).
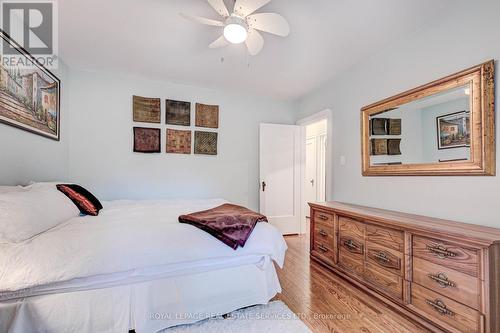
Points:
point(147, 307)
point(129, 241)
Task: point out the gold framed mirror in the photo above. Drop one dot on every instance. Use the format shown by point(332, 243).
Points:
point(446, 127)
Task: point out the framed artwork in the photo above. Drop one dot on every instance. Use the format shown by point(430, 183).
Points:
point(379, 147)
point(453, 130)
point(378, 126)
point(178, 141)
point(178, 113)
point(386, 147)
point(29, 94)
point(385, 126)
point(394, 126)
point(393, 146)
point(207, 115)
point(147, 140)
point(205, 143)
point(146, 110)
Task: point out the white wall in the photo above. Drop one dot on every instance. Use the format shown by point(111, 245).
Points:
point(467, 36)
point(101, 140)
point(25, 156)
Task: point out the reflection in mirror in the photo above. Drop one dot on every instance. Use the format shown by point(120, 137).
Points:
point(433, 129)
point(445, 127)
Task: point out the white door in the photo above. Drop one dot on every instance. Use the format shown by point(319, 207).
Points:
point(310, 181)
point(280, 176)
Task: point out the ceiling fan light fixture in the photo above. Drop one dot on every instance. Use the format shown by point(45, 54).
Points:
point(243, 24)
point(236, 30)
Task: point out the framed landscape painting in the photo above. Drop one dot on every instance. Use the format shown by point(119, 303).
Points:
point(454, 130)
point(29, 93)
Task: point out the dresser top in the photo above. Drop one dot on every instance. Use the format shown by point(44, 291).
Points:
point(472, 232)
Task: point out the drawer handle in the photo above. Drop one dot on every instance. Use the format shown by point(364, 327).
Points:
point(442, 280)
point(350, 244)
point(323, 248)
point(440, 307)
point(323, 233)
point(323, 217)
point(440, 251)
point(382, 256)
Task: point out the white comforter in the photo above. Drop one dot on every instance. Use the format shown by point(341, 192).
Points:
point(129, 241)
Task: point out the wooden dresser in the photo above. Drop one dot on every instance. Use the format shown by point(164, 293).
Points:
point(443, 274)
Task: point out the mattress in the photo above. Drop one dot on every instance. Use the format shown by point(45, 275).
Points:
point(129, 242)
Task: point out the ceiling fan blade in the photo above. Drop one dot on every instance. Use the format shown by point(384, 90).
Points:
point(254, 42)
point(220, 42)
point(247, 7)
point(202, 20)
point(219, 7)
point(269, 22)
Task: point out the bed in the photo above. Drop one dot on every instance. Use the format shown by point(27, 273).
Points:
point(133, 267)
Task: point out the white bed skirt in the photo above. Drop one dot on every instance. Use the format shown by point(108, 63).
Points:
point(146, 307)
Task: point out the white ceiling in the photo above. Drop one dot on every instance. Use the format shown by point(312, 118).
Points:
point(148, 38)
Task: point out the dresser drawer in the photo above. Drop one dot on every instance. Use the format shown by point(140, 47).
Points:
point(442, 309)
point(352, 247)
point(323, 251)
point(351, 228)
point(388, 283)
point(458, 286)
point(390, 238)
point(323, 218)
point(325, 235)
point(323, 231)
point(447, 254)
point(385, 258)
point(351, 264)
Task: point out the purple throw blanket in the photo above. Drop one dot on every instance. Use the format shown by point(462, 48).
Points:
point(229, 223)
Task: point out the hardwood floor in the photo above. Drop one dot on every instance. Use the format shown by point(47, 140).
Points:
point(329, 304)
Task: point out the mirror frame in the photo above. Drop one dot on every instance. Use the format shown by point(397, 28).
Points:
point(481, 79)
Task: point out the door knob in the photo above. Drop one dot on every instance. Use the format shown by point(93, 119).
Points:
point(264, 186)
point(312, 182)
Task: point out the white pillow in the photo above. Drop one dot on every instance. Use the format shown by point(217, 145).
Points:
point(25, 214)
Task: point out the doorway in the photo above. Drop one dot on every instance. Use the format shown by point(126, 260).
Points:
point(315, 133)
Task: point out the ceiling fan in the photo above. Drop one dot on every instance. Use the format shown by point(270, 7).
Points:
point(243, 24)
